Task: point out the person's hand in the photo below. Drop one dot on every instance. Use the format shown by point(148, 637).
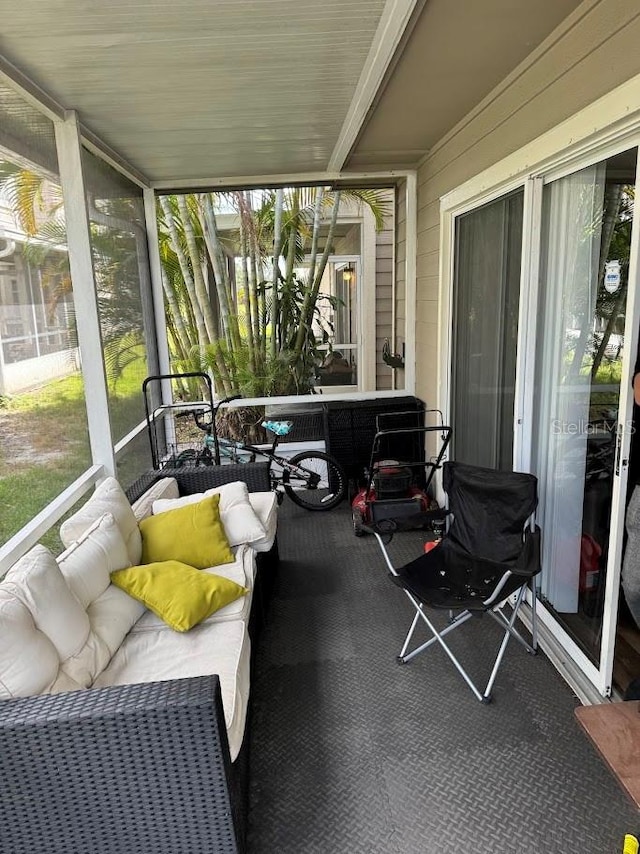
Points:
point(636, 389)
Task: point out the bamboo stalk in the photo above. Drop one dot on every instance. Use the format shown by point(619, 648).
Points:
point(201, 294)
point(277, 244)
point(311, 294)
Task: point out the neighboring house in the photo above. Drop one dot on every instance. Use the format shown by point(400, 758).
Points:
point(37, 338)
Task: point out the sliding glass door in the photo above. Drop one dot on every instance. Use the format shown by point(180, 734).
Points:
point(544, 331)
point(581, 319)
point(486, 293)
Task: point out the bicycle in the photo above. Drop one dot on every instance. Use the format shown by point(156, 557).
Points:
point(313, 480)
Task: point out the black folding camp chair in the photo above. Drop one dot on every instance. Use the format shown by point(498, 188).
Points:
point(489, 554)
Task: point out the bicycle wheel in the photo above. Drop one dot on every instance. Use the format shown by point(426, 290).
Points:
point(186, 458)
point(317, 482)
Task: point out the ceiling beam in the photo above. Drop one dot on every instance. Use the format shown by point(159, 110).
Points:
point(248, 182)
point(395, 19)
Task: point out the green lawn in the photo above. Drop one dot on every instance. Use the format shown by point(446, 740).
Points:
point(45, 443)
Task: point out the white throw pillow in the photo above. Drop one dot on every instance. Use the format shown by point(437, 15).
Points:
point(238, 517)
point(28, 660)
point(265, 506)
point(166, 487)
point(109, 497)
point(88, 563)
point(87, 566)
point(37, 582)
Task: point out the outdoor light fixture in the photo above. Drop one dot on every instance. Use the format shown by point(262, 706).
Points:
point(347, 274)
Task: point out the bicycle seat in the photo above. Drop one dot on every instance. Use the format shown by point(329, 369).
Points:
point(280, 428)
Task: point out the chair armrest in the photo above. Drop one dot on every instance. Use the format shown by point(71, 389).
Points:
point(126, 768)
point(528, 562)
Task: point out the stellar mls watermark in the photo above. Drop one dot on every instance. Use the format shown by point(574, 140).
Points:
point(583, 427)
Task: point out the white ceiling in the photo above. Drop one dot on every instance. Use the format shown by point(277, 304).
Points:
point(197, 90)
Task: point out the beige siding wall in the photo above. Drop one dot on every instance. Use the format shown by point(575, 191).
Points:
point(590, 54)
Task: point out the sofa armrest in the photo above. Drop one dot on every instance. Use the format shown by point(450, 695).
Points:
point(125, 768)
point(199, 478)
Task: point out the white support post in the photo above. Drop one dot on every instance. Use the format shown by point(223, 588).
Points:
point(155, 264)
point(157, 291)
point(411, 248)
point(367, 312)
point(2, 372)
point(84, 291)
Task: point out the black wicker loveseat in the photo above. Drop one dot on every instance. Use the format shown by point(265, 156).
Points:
point(142, 768)
point(130, 768)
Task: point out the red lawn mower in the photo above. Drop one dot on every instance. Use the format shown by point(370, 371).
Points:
point(400, 474)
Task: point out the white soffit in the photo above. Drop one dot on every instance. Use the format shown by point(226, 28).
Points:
point(210, 88)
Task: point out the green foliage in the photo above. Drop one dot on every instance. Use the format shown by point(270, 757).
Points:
point(236, 302)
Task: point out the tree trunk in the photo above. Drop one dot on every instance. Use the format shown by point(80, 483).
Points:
point(277, 244)
point(185, 270)
point(220, 271)
point(317, 220)
point(200, 288)
point(313, 288)
point(246, 301)
point(181, 333)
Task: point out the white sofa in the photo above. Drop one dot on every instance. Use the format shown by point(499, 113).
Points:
point(65, 627)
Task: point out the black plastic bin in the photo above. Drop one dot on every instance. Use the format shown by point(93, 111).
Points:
point(350, 427)
point(308, 420)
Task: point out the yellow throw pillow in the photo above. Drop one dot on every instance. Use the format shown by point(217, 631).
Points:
point(192, 534)
point(179, 594)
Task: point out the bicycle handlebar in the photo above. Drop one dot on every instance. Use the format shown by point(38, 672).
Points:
point(207, 427)
point(227, 400)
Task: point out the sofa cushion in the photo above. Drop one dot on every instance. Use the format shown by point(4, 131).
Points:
point(88, 662)
point(86, 566)
point(241, 523)
point(166, 487)
point(108, 497)
point(265, 506)
point(64, 682)
point(29, 661)
point(192, 534)
point(36, 580)
point(222, 648)
point(241, 571)
point(112, 615)
point(89, 561)
point(179, 594)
